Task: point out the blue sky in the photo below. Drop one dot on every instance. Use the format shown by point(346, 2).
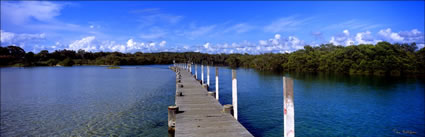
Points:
point(207, 26)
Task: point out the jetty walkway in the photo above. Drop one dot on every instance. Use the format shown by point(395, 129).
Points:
point(197, 113)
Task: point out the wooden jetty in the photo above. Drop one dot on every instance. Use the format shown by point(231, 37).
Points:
point(198, 113)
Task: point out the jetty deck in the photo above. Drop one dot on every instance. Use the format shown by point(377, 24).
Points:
point(200, 115)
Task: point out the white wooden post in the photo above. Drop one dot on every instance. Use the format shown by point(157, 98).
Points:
point(234, 94)
point(202, 73)
point(208, 75)
point(196, 71)
point(216, 83)
point(288, 107)
point(190, 68)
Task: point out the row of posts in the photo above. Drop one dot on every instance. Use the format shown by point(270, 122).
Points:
point(288, 97)
point(229, 108)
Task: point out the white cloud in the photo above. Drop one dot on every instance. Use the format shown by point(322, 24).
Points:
point(352, 24)
point(153, 16)
point(239, 28)
point(365, 38)
point(6, 36)
point(273, 45)
point(152, 44)
point(36, 16)
point(277, 36)
point(21, 12)
point(276, 44)
point(130, 43)
point(262, 42)
point(21, 39)
point(413, 36)
point(90, 43)
point(286, 24)
point(346, 32)
point(342, 39)
point(162, 43)
point(388, 35)
point(200, 31)
point(152, 35)
point(206, 45)
point(86, 44)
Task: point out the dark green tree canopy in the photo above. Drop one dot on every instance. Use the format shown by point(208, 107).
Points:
point(382, 58)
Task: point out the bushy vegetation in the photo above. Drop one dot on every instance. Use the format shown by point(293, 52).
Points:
point(380, 59)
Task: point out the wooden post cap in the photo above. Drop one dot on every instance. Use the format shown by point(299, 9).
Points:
point(211, 94)
point(179, 93)
point(228, 108)
point(175, 108)
point(205, 86)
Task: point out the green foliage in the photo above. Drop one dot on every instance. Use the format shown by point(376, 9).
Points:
point(381, 59)
point(233, 61)
point(11, 55)
point(67, 62)
point(51, 62)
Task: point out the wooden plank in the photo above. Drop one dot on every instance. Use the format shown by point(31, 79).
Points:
point(201, 115)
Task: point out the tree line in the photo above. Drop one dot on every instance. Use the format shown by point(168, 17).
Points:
point(381, 59)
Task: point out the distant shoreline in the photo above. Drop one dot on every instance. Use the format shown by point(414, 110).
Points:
point(366, 59)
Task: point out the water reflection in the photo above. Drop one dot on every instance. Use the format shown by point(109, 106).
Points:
point(90, 101)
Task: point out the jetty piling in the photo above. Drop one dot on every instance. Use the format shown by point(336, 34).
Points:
point(288, 107)
point(196, 72)
point(234, 94)
point(202, 73)
point(172, 111)
point(216, 83)
point(228, 109)
point(212, 94)
point(208, 75)
point(190, 68)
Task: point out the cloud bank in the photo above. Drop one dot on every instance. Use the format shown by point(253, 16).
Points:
point(367, 37)
point(277, 44)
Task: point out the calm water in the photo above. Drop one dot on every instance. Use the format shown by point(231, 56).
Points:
point(87, 101)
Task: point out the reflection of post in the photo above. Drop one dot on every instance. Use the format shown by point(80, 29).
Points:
point(216, 83)
point(202, 73)
point(196, 72)
point(208, 75)
point(288, 107)
point(234, 94)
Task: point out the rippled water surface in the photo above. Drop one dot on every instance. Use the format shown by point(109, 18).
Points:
point(327, 104)
point(96, 101)
point(86, 101)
